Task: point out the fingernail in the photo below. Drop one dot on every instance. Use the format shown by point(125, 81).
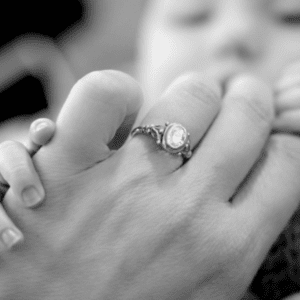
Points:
point(31, 196)
point(41, 126)
point(10, 237)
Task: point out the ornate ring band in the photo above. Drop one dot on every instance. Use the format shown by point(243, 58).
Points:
point(172, 137)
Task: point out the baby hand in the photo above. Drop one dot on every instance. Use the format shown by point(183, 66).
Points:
point(287, 99)
point(18, 173)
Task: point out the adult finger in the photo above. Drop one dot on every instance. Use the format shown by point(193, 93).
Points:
point(17, 171)
point(192, 101)
point(266, 204)
point(95, 108)
point(236, 139)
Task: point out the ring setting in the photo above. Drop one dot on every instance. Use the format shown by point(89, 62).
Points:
point(171, 137)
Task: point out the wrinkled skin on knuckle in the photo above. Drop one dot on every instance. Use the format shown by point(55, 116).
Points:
point(198, 89)
point(254, 98)
point(254, 110)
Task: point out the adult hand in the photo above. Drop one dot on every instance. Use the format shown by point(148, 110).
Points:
point(139, 224)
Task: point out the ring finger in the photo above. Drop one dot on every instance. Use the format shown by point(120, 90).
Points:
point(193, 101)
point(237, 137)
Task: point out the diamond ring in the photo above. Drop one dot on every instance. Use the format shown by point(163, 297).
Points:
point(172, 137)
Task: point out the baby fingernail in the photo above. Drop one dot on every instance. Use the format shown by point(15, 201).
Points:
point(10, 237)
point(31, 196)
point(41, 126)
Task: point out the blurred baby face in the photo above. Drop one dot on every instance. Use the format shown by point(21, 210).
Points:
point(221, 37)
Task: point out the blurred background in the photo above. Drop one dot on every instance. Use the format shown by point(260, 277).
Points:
point(46, 47)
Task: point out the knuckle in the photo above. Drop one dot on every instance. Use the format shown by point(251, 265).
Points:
point(254, 109)
point(109, 85)
point(196, 87)
point(253, 97)
point(107, 78)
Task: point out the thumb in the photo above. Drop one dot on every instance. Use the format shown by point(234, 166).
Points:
point(89, 119)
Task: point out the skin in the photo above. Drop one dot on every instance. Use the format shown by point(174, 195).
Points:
point(18, 172)
point(218, 37)
point(192, 226)
point(162, 219)
point(287, 95)
point(224, 38)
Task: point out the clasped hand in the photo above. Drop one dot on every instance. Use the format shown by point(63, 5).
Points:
point(137, 223)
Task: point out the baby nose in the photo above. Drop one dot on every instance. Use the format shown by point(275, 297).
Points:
point(238, 36)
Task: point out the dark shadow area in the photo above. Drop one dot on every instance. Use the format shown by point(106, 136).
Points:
point(49, 18)
point(279, 275)
point(24, 97)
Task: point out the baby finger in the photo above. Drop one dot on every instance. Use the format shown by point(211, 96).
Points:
point(40, 133)
point(18, 172)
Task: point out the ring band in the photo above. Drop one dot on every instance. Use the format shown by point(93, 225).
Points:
point(172, 137)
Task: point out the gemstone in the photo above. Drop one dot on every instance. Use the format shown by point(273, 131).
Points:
point(175, 136)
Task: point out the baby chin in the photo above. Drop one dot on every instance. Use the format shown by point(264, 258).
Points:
point(279, 275)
